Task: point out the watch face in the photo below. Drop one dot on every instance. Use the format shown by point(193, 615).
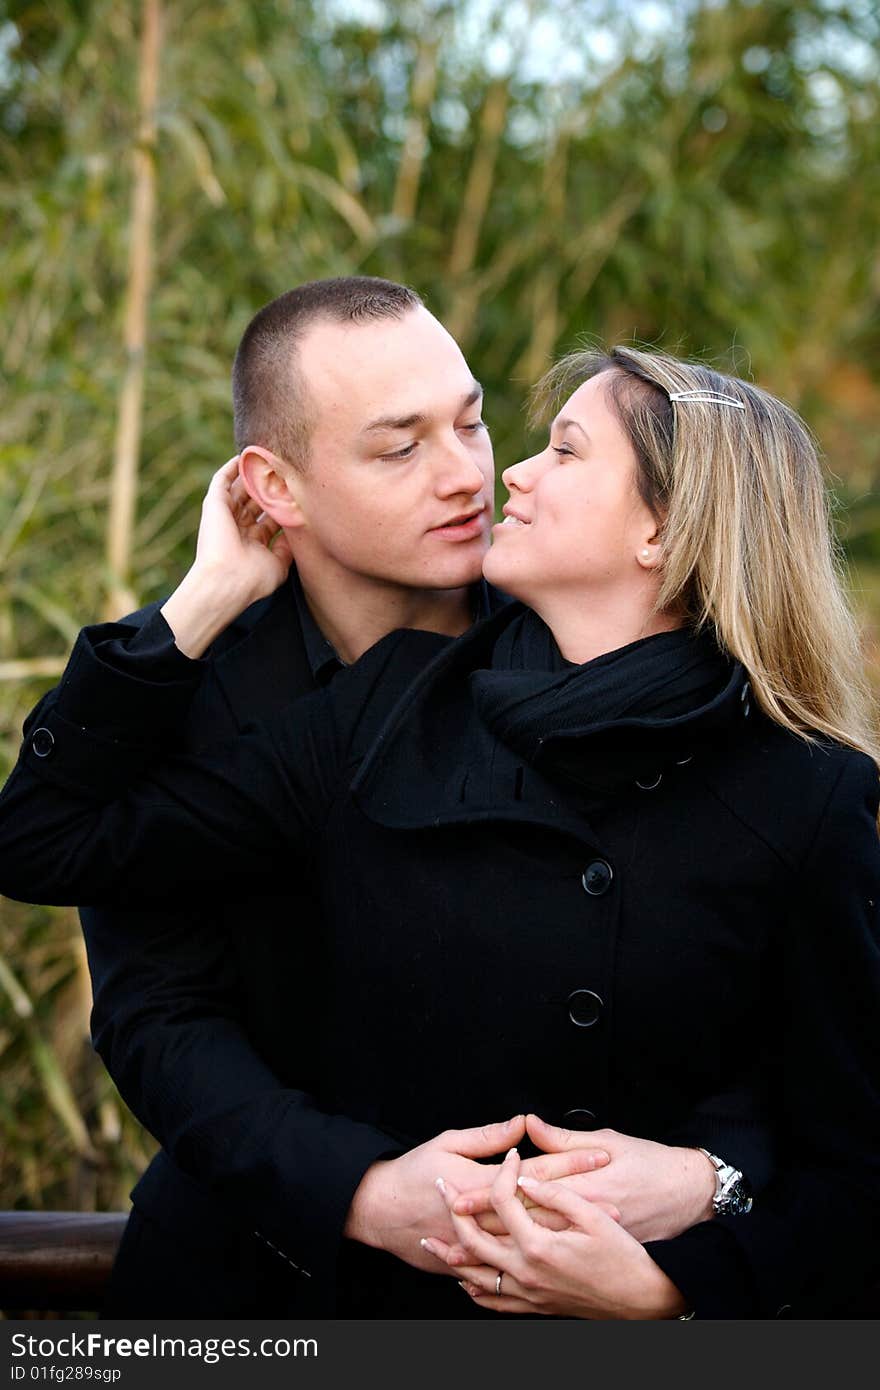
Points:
point(736, 1199)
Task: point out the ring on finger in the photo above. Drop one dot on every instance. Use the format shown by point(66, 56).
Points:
point(499, 1276)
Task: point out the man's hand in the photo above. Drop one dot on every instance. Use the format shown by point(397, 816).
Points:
point(397, 1202)
point(659, 1191)
point(236, 563)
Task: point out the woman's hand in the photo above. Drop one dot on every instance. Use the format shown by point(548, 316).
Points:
point(658, 1190)
point(236, 563)
point(592, 1269)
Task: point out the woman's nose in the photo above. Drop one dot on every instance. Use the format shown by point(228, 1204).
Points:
point(522, 475)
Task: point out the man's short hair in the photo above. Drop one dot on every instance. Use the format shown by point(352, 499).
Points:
point(269, 397)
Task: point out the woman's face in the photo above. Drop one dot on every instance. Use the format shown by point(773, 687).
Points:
point(575, 522)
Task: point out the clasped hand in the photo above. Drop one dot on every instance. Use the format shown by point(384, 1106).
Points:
point(653, 1190)
point(590, 1269)
point(397, 1201)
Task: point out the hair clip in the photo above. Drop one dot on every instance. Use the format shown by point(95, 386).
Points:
point(701, 397)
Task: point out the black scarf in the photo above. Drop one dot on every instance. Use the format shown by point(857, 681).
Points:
point(532, 697)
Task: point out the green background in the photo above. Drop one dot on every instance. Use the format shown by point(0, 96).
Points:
point(702, 177)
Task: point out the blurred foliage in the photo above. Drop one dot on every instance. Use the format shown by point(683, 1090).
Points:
point(705, 176)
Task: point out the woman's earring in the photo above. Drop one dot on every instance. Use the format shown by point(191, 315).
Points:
point(646, 554)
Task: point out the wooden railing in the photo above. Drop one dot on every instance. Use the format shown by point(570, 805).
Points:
point(57, 1260)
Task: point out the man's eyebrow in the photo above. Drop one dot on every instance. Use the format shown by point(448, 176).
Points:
point(564, 422)
point(406, 422)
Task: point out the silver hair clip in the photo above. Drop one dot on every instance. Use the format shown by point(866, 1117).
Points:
point(700, 397)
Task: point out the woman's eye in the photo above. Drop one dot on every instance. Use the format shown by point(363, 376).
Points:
point(562, 450)
point(474, 427)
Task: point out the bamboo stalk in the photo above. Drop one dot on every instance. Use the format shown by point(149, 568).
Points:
point(481, 176)
point(412, 157)
point(123, 486)
point(545, 286)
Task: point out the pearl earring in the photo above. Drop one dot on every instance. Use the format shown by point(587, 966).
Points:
point(646, 554)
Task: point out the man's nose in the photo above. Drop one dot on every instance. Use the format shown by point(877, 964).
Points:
point(459, 472)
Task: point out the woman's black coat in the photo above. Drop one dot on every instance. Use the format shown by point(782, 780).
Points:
point(612, 952)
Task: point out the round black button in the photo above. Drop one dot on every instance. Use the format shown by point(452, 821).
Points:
point(597, 878)
point(42, 742)
point(579, 1119)
point(650, 782)
point(584, 1008)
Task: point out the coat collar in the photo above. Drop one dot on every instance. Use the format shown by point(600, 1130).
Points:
point(275, 652)
point(436, 763)
point(261, 663)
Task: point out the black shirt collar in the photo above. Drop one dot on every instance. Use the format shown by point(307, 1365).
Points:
point(324, 661)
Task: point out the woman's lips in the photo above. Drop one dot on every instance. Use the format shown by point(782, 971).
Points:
point(510, 522)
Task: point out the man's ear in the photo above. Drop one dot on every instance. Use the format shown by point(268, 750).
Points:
point(272, 484)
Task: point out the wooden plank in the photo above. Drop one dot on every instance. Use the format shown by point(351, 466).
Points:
point(57, 1260)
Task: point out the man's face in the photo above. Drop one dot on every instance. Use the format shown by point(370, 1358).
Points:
point(399, 485)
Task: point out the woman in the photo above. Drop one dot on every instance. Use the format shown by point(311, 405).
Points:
point(624, 840)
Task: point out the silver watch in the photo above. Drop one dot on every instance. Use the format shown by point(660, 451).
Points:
point(733, 1192)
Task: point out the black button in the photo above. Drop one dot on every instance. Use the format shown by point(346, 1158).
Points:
point(42, 742)
point(584, 1008)
point(597, 878)
point(579, 1119)
point(650, 781)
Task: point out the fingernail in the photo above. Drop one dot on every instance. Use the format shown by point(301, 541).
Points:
point(463, 1205)
point(511, 1153)
point(426, 1245)
point(440, 1185)
point(527, 1182)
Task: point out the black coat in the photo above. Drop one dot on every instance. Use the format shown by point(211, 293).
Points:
point(182, 996)
point(733, 944)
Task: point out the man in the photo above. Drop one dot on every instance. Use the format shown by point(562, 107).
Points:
point(359, 429)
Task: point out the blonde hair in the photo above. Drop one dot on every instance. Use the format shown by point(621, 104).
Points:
point(747, 540)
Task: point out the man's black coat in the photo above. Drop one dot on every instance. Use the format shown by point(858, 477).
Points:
point(192, 1017)
point(703, 954)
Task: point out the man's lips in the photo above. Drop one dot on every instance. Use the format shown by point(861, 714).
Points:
point(462, 527)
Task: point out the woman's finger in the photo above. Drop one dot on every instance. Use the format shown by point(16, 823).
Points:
point(496, 1303)
point(225, 476)
point(586, 1216)
point(485, 1279)
point(545, 1168)
point(262, 529)
point(480, 1246)
point(505, 1192)
point(609, 1210)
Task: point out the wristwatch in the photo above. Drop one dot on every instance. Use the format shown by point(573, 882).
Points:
point(733, 1192)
